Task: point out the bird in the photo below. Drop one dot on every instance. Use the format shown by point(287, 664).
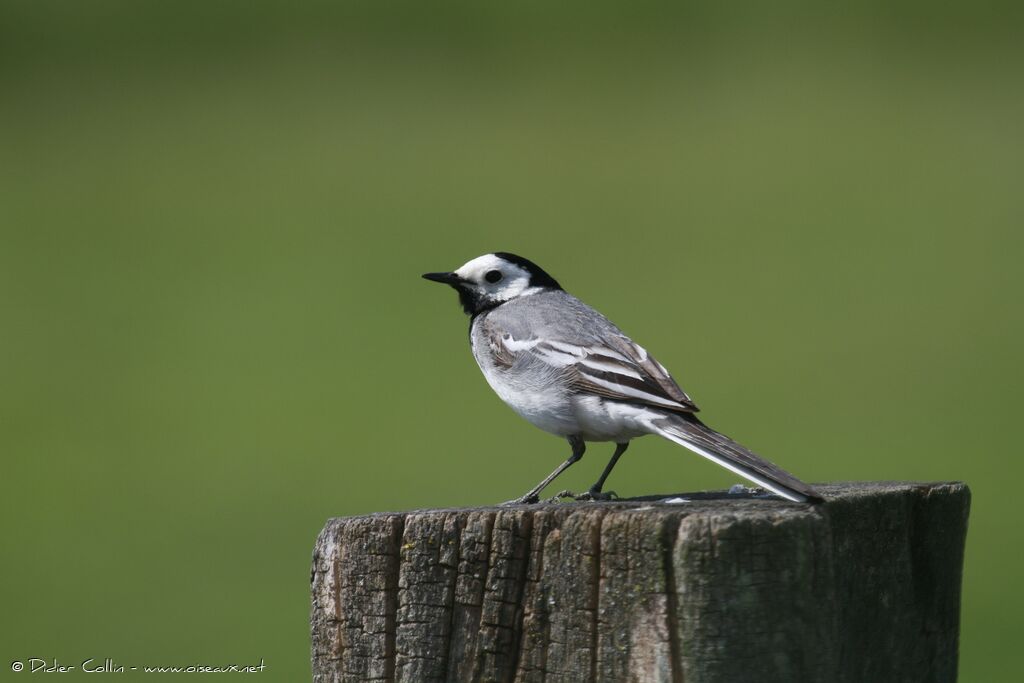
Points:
point(570, 371)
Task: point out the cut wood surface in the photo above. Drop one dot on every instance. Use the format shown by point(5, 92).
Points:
point(864, 587)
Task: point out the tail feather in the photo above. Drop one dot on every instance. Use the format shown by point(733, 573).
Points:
point(688, 431)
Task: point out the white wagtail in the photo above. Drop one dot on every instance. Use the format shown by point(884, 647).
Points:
point(570, 371)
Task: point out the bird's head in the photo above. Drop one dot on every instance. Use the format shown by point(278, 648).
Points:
point(493, 279)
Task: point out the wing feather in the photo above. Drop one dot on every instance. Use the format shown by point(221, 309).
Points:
point(619, 371)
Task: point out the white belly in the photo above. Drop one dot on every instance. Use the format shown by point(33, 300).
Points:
point(551, 408)
point(540, 394)
point(542, 406)
point(602, 420)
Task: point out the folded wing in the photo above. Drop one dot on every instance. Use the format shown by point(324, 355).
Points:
point(619, 370)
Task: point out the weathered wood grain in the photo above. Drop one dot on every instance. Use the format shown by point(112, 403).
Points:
point(865, 587)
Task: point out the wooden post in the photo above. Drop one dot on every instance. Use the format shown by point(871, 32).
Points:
point(865, 587)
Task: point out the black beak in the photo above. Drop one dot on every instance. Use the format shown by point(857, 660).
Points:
point(446, 278)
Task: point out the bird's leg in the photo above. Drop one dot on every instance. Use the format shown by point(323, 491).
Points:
point(620, 448)
point(595, 491)
point(533, 495)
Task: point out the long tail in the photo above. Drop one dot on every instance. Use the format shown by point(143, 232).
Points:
point(688, 431)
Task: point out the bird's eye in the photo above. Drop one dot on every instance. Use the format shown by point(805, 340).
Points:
point(493, 276)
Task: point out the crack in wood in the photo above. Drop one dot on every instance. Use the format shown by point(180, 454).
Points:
point(669, 539)
point(595, 598)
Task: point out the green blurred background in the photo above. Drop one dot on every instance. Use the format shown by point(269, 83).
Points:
point(214, 215)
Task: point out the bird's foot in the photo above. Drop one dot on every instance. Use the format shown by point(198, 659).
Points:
point(561, 495)
point(526, 499)
point(593, 494)
point(590, 495)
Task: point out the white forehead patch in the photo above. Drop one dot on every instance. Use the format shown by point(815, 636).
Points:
point(515, 280)
point(475, 269)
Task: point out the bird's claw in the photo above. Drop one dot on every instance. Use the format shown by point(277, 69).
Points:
point(598, 495)
point(590, 495)
point(528, 499)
